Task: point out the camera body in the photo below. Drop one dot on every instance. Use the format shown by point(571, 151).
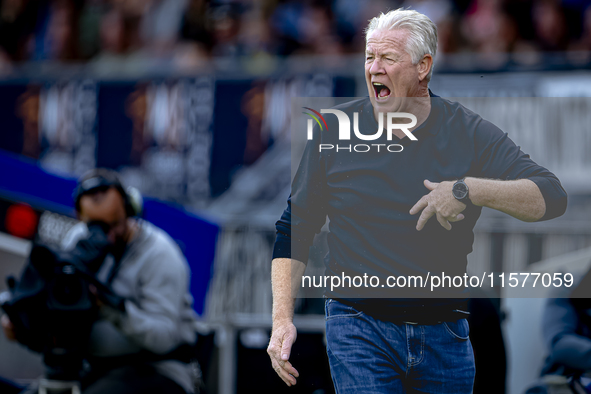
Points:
point(52, 307)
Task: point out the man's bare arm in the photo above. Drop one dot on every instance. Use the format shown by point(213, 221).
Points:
point(521, 198)
point(286, 276)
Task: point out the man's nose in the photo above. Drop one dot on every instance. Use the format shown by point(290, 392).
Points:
point(376, 67)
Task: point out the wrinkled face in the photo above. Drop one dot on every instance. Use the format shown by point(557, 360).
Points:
point(389, 72)
point(107, 207)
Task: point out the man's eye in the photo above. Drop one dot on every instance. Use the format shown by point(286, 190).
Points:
point(368, 57)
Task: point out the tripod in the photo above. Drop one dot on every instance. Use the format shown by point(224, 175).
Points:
point(63, 368)
point(48, 386)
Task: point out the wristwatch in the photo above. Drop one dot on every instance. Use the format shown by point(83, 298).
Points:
point(461, 192)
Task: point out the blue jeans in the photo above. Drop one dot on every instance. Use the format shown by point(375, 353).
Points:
point(373, 356)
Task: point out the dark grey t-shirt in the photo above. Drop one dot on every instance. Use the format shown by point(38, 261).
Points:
point(367, 197)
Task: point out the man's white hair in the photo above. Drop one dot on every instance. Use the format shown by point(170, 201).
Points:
point(422, 37)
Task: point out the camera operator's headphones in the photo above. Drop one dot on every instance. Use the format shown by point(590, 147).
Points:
point(100, 180)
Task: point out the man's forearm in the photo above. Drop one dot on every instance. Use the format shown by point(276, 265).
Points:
point(286, 276)
point(521, 198)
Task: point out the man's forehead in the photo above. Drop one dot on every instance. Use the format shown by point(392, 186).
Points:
point(382, 40)
point(104, 206)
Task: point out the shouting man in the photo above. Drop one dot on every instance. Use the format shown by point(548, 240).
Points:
point(397, 214)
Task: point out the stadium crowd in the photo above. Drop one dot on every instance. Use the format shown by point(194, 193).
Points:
point(185, 33)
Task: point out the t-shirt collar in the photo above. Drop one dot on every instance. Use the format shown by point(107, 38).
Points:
point(431, 123)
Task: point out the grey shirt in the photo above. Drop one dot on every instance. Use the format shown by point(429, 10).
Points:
point(153, 276)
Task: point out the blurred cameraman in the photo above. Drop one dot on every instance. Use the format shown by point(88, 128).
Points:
point(144, 348)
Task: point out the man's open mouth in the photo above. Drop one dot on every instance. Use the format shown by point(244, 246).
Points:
point(382, 91)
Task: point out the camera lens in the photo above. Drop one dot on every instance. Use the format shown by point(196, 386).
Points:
point(67, 290)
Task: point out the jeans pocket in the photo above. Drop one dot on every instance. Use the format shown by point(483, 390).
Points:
point(459, 329)
point(334, 310)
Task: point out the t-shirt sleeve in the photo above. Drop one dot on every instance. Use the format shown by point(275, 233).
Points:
point(498, 157)
point(306, 207)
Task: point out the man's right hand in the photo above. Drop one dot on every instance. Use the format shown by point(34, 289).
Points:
point(8, 328)
point(283, 337)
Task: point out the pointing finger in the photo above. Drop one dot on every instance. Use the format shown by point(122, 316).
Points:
point(290, 369)
point(283, 374)
point(422, 203)
point(425, 215)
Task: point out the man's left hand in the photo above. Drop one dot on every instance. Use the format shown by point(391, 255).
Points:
point(440, 202)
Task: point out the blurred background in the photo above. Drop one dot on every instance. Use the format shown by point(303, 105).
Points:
point(190, 100)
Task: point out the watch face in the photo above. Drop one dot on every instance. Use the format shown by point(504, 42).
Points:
point(460, 190)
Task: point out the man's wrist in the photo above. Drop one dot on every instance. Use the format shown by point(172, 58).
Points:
point(282, 320)
point(475, 191)
point(282, 316)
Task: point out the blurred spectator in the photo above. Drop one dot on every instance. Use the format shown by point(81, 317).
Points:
point(444, 15)
point(252, 106)
point(17, 22)
point(89, 32)
point(317, 31)
point(161, 23)
point(436, 10)
point(196, 26)
point(488, 28)
point(550, 25)
point(284, 23)
point(123, 48)
point(54, 37)
point(112, 29)
point(347, 19)
point(226, 25)
point(119, 42)
point(585, 42)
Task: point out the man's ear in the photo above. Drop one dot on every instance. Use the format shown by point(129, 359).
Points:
point(79, 215)
point(424, 66)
